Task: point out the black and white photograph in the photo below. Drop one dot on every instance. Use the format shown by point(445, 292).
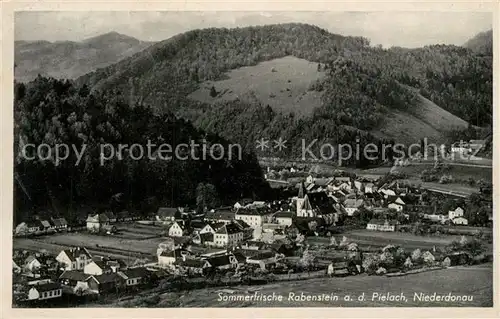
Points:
point(231, 159)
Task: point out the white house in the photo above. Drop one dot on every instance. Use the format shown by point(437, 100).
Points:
point(253, 217)
point(228, 235)
point(76, 280)
point(458, 212)
point(460, 221)
point(177, 230)
point(74, 258)
point(97, 222)
point(168, 258)
point(398, 204)
point(32, 263)
point(45, 291)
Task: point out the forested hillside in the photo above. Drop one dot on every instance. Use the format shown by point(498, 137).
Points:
point(54, 112)
point(363, 84)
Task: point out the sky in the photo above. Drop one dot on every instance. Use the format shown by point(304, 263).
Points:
point(405, 29)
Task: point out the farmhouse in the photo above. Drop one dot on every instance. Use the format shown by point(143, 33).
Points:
point(460, 221)
point(458, 212)
point(178, 229)
point(45, 291)
point(59, 223)
point(74, 258)
point(46, 226)
point(168, 214)
point(382, 225)
point(96, 222)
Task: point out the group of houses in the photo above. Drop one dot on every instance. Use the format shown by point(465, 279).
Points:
point(75, 271)
point(41, 226)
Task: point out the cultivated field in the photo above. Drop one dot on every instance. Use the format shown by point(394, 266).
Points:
point(134, 241)
point(282, 83)
point(474, 281)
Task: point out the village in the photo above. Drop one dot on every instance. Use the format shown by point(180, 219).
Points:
point(344, 225)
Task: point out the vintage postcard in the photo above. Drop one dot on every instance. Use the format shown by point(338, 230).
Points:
point(202, 157)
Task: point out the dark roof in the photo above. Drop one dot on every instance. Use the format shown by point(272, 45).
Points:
point(245, 201)
point(73, 253)
point(263, 255)
point(47, 287)
point(207, 237)
point(194, 263)
point(74, 275)
point(109, 277)
point(241, 224)
point(283, 214)
point(220, 215)
point(138, 272)
point(255, 243)
point(198, 224)
point(165, 212)
point(177, 253)
point(252, 211)
point(219, 260)
point(228, 229)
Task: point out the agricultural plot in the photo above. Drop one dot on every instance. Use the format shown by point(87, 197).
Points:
point(133, 241)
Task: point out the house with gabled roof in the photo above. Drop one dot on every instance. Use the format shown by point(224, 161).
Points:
point(97, 222)
point(227, 261)
point(382, 225)
point(44, 291)
point(74, 258)
point(168, 214)
point(135, 276)
point(107, 282)
point(75, 281)
point(59, 223)
point(168, 258)
point(177, 229)
point(102, 265)
point(228, 235)
point(284, 218)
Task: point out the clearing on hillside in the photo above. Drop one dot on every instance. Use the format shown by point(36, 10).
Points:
point(425, 120)
point(282, 83)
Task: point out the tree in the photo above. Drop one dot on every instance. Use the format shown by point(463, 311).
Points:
point(206, 196)
point(416, 256)
point(213, 92)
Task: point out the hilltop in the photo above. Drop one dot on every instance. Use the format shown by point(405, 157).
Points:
point(69, 59)
point(482, 43)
